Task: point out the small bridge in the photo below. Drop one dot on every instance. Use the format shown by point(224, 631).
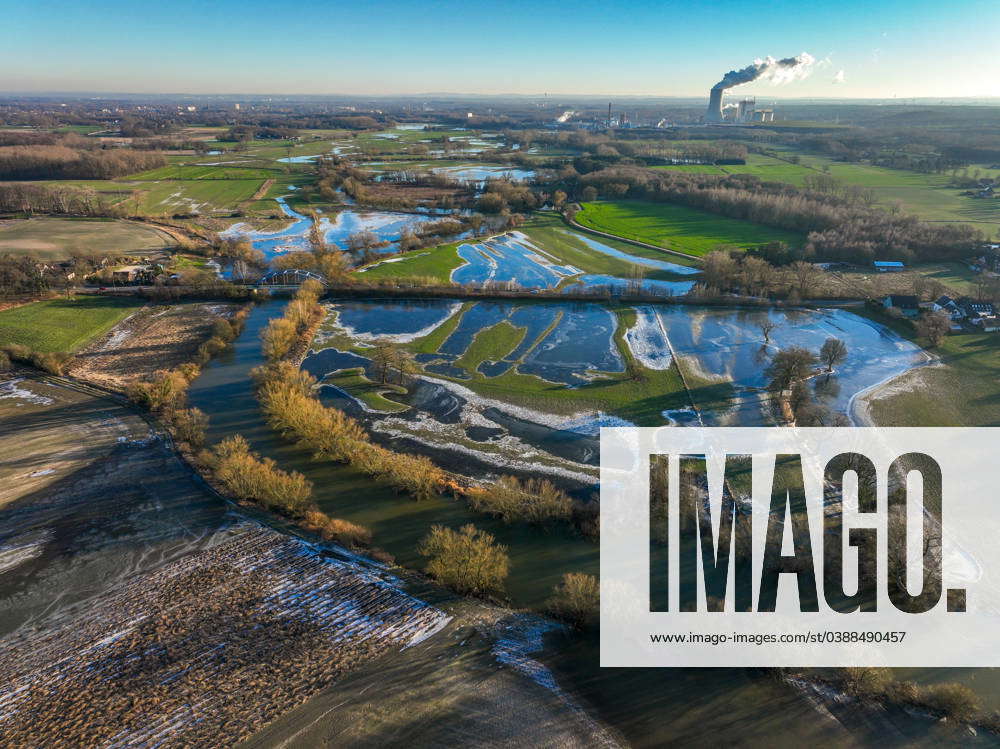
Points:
point(290, 277)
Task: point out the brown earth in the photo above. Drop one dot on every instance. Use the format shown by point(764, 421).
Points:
point(158, 336)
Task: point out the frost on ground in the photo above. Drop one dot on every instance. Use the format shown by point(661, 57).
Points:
point(517, 639)
point(206, 650)
point(22, 548)
point(11, 389)
point(647, 340)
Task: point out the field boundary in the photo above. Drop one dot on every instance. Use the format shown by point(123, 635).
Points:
point(636, 242)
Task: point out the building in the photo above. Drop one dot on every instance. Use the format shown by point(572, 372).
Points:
point(949, 306)
point(907, 304)
point(131, 274)
point(981, 314)
point(888, 266)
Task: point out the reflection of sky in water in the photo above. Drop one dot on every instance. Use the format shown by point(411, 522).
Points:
point(502, 260)
point(391, 318)
point(514, 258)
point(480, 174)
point(718, 342)
point(593, 244)
point(730, 343)
point(386, 226)
point(582, 340)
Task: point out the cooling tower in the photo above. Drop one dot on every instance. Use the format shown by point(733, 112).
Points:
point(714, 113)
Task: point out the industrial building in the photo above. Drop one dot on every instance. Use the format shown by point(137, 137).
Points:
point(743, 111)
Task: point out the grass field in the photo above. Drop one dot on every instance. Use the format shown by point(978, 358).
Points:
point(64, 324)
point(55, 238)
point(958, 390)
point(956, 276)
point(928, 196)
point(677, 227)
point(436, 262)
point(552, 234)
point(491, 344)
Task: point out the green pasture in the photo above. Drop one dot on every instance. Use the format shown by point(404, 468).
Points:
point(677, 227)
point(64, 324)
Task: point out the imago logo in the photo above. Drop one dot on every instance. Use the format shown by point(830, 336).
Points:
point(798, 547)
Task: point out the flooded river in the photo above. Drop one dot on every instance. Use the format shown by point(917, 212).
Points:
point(651, 707)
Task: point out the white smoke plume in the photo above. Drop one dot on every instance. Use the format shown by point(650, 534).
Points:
point(769, 69)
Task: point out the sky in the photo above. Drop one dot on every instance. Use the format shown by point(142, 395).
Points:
point(864, 48)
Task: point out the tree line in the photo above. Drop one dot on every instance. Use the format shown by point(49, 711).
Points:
point(62, 162)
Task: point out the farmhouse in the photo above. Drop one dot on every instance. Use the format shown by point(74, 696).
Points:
point(888, 266)
point(949, 306)
point(907, 304)
point(981, 314)
point(130, 273)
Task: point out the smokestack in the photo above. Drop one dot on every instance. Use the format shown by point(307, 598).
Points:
point(714, 113)
point(769, 69)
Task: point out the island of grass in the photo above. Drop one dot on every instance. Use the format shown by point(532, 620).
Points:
point(676, 227)
point(64, 324)
point(369, 393)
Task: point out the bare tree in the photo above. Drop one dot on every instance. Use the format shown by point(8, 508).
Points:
point(832, 352)
point(767, 326)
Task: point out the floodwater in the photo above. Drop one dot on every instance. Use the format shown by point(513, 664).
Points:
point(569, 345)
point(513, 258)
point(388, 226)
point(651, 707)
point(682, 270)
point(730, 344)
point(480, 174)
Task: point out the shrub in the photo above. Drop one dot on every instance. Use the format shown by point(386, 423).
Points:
point(955, 701)
point(467, 560)
point(577, 599)
point(248, 476)
point(534, 500)
point(167, 391)
point(189, 426)
point(5, 364)
point(285, 395)
point(278, 338)
point(866, 682)
point(51, 362)
point(337, 529)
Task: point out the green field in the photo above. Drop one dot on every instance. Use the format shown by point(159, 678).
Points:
point(56, 238)
point(553, 235)
point(64, 324)
point(435, 262)
point(928, 196)
point(677, 227)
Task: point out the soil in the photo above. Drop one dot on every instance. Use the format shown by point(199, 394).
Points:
point(158, 336)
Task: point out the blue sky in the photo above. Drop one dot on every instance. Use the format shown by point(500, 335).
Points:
point(885, 48)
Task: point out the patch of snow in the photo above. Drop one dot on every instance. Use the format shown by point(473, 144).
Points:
point(10, 389)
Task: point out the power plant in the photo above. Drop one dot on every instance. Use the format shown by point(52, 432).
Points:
point(770, 69)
